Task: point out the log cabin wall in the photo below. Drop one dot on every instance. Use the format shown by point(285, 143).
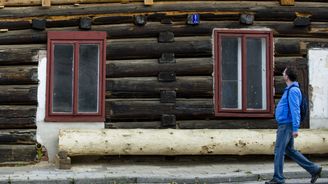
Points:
point(142, 91)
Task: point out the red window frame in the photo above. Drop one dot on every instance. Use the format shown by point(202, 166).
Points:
point(76, 38)
point(220, 112)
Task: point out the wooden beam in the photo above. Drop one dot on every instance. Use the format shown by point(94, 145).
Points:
point(184, 142)
point(2, 4)
point(46, 3)
point(287, 2)
point(148, 2)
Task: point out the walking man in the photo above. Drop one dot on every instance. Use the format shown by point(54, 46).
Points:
point(288, 118)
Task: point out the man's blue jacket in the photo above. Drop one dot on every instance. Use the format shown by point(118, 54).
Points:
point(292, 115)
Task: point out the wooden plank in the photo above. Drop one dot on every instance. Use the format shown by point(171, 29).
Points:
point(46, 3)
point(18, 136)
point(14, 117)
point(148, 2)
point(151, 67)
point(287, 2)
point(18, 75)
point(10, 153)
point(18, 94)
point(191, 86)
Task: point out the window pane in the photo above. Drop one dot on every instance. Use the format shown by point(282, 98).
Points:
point(256, 73)
point(63, 78)
point(231, 72)
point(88, 78)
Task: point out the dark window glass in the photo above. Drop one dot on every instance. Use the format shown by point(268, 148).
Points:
point(63, 72)
point(88, 78)
point(230, 73)
point(256, 73)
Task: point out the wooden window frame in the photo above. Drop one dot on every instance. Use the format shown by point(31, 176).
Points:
point(76, 38)
point(220, 112)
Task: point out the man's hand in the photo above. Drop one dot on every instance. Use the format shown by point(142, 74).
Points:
point(295, 134)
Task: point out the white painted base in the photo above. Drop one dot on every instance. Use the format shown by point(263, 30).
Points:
point(318, 88)
point(47, 132)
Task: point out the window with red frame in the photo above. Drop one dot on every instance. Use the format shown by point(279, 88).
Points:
point(243, 73)
point(76, 76)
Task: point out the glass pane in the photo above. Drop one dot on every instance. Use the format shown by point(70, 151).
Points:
point(256, 73)
point(62, 100)
point(88, 78)
point(231, 72)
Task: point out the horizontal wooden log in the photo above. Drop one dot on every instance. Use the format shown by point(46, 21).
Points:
point(280, 63)
point(128, 125)
point(200, 124)
point(15, 25)
point(19, 54)
point(17, 136)
point(14, 117)
point(200, 46)
point(63, 2)
point(265, 10)
point(151, 67)
point(191, 142)
point(185, 87)
point(138, 109)
point(18, 94)
point(191, 86)
point(18, 75)
point(150, 48)
point(14, 153)
point(152, 29)
point(228, 124)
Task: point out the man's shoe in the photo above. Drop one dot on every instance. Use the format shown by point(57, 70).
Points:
point(273, 181)
point(316, 175)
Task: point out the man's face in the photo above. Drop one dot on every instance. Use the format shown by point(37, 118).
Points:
point(285, 77)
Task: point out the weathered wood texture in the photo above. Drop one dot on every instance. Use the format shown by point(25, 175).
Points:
point(18, 75)
point(151, 87)
point(63, 2)
point(188, 87)
point(151, 67)
point(200, 124)
point(16, 153)
point(266, 10)
point(14, 117)
point(19, 54)
point(152, 29)
point(17, 136)
point(191, 142)
point(200, 46)
point(18, 94)
point(153, 109)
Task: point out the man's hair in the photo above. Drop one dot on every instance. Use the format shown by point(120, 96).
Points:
point(291, 73)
